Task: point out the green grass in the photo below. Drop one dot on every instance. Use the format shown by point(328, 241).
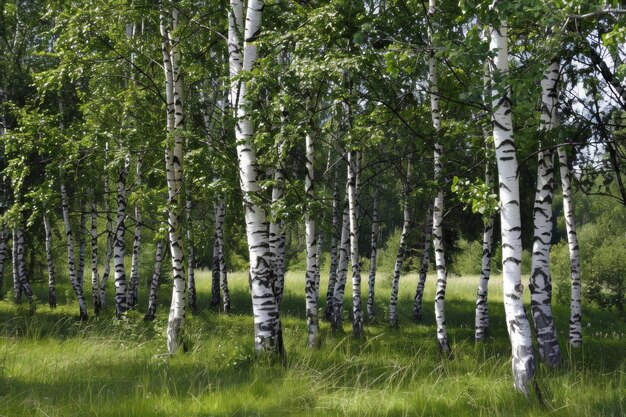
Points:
point(53, 365)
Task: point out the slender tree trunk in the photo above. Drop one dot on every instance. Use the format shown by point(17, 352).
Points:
point(419, 291)
point(276, 233)
point(267, 329)
point(133, 293)
point(21, 264)
point(174, 171)
point(482, 302)
point(374, 249)
point(311, 245)
point(440, 261)
point(220, 277)
point(109, 231)
point(82, 247)
point(17, 286)
point(517, 323)
point(540, 280)
point(191, 278)
point(3, 255)
point(95, 278)
point(70, 255)
point(342, 271)
point(575, 326)
point(119, 246)
point(406, 222)
point(334, 259)
point(354, 168)
point(52, 297)
point(154, 283)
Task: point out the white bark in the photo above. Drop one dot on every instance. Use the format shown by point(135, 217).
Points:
point(482, 301)
point(82, 245)
point(133, 292)
point(575, 320)
point(342, 269)
point(52, 297)
point(109, 230)
point(406, 222)
point(334, 259)
point(174, 172)
point(311, 245)
point(119, 245)
point(21, 263)
point(266, 316)
point(354, 168)
point(17, 286)
point(70, 255)
point(95, 278)
point(154, 283)
point(220, 277)
point(523, 362)
point(374, 250)
point(540, 280)
point(419, 291)
point(3, 257)
point(191, 276)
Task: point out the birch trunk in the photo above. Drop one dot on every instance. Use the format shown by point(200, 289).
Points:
point(21, 264)
point(52, 296)
point(154, 283)
point(109, 231)
point(95, 279)
point(406, 222)
point(440, 261)
point(342, 269)
point(119, 245)
point(220, 276)
point(191, 278)
point(523, 362)
point(268, 336)
point(3, 257)
point(174, 171)
point(334, 260)
point(482, 301)
point(540, 280)
point(17, 286)
point(575, 325)
point(82, 247)
point(419, 291)
point(311, 245)
point(70, 255)
point(354, 167)
point(276, 233)
point(133, 293)
point(374, 249)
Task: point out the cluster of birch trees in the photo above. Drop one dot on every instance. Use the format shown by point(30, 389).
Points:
point(333, 122)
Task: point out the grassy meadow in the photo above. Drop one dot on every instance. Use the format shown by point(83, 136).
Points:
point(53, 365)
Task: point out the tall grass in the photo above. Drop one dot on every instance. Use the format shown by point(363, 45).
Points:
point(53, 365)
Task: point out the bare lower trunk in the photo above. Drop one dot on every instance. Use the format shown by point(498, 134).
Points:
point(311, 246)
point(334, 259)
point(119, 246)
point(406, 222)
point(95, 279)
point(419, 291)
point(575, 320)
point(52, 296)
point(155, 282)
point(220, 277)
point(191, 277)
point(342, 269)
point(3, 255)
point(482, 301)
point(109, 233)
point(133, 291)
point(17, 286)
point(82, 248)
point(374, 249)
point(21, 264)
point(70, 255)
point(354, 167)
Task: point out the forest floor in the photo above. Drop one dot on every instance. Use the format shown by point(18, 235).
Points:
point(53, 365)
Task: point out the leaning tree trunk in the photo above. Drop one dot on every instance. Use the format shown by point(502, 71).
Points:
point(268, 336)
point(154, 283)
point(374, 249)
point(406, 222)
point(523, 362)
point(133, 291)
point(174, 171)
point(52, 294)
point(119, 245)
point(342, 269)
point(540, 280)
point(440, 261)
point(334, 259)
point(575, 326)
point(21, 264)
point(419, 291)
point(95, 279)
point(70, 255)
point(311, 245)
point(109, 231)
point(191, 277)
point(354, 167)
